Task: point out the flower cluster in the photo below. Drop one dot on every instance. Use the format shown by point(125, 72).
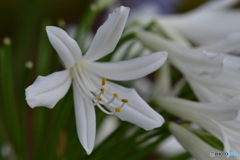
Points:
point(211, 69)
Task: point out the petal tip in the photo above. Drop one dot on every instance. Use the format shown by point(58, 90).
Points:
point(29, 104)
point(88, 152)
point(49, 28)
point(158, 123)
point(162, 53)
point(125, 8)
point(122, 8)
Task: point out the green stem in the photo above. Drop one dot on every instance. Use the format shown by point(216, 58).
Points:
point(9, 100)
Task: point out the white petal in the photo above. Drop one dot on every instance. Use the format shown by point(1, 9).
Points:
point(194, 66)
point(129, 69)
point(229, 44)
point(136, 111)
point(85, 120)
point(201, 26)
point(217, 88)
point(232, 128)
point(205, 93)
point(195, 60)
point(220, 111)
point(108, 34)
point(197, 147)
point(214, 128)
point(163, 82)
point(235, 148)
point(66, 47)
point(199, 117)
point(47, 91)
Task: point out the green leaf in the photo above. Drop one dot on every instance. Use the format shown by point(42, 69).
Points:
point(208, 138)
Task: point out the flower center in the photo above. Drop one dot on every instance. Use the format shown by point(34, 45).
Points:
point(99, 99)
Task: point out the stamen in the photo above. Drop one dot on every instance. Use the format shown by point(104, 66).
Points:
point(118, 109)
point(116, 95)
point(102, 90)
point(105, 111)
point(104, 81)
point(99, 98)
point(124, 100)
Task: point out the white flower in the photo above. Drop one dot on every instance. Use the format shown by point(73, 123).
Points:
point(206, 24)
point(220, 119)
point(208, 69)
point(89, 86)
point(209, 74)
point(198, 148)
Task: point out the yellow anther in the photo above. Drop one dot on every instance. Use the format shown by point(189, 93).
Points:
point(99, 98)
point(116, 95)
point(104, 81)
point(124, 100)
point(118, 110)
point(102, 90)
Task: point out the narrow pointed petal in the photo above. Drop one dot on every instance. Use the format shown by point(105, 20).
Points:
point(136, 111)
point(215, 129)
point(204, 119)
point(197, 147)
point(47, 91)
point(66, 47)
point(220, 111)
point(85, 120)
point(108, 35)
point(129, 69)
point(229, 44)
point(232, 128)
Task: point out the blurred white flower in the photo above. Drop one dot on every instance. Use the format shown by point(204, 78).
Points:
point(89, 86)
point(198, 148)
point(206, 24)
point(220, 119)
point(208, 69)
point(214, 78)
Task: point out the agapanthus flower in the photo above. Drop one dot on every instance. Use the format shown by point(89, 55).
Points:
point(89, 79)
point(213, 77)
point(208, 69)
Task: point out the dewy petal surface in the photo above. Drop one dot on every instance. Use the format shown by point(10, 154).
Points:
point(108, 34)
point(197, 147)
point(85, 120)
point(47, 91)
point(129, 69)
point(66, 47)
